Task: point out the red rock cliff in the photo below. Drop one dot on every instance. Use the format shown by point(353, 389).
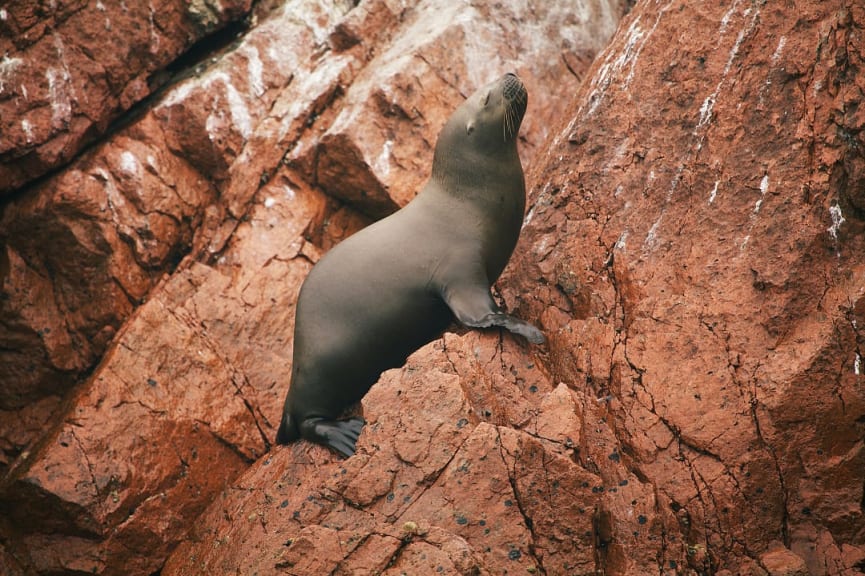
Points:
point(148, 286)
point(693, 250)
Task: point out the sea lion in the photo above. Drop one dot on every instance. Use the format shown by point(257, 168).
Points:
point(397, 284)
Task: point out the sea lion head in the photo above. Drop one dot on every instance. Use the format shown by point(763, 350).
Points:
point(488, 120)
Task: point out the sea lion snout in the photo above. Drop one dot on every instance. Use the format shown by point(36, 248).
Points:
point(515, 99)
point(513, 88)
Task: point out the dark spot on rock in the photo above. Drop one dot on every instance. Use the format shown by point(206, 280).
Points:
point(482, 523)
point(509, 503)
point(151, 382)
point(461, 423)
point(623, 483)
point(806, 511)
point(462, 520)
point(296, 515)
point(673, 564)
point(615, 456)
point(283, 504)
point(642, 519)
point(514, 554)
point(533, 388)
point(64, 444)
point(390, 497)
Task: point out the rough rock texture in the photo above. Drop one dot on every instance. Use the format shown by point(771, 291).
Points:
point(147, 289)
point(693, 251)
point(69, 68)
point(697, 230)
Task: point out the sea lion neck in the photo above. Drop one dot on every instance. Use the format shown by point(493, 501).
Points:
point(463, 172)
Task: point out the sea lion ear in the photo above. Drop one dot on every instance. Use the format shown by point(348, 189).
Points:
point(470, 127)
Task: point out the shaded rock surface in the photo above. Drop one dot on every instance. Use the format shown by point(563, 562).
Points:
point(148, 287)
point(693, 251)
point(69, 68)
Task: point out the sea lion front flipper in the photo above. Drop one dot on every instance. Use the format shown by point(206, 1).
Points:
point(340, 435)
point(516, 326)
point(474, 307)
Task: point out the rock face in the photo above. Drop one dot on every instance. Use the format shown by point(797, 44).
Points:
point(148, 287)
point(697, 237)
point(693, 251)
point(68, 69)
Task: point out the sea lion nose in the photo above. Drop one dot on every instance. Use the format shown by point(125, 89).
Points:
point(513, 87)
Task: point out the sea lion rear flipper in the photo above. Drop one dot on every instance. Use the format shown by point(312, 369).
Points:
point(474, 307)
point(340, 435)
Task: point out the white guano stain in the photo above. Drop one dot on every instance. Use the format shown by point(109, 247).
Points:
point(779, 50)
point(382, 162)
point(529, 217)
point(8, 66)
point(857, 365)
point(725, 20)
point(269, 202)
point(113, 197)
point(604, 78)
point(27, 128)
point(708, 105)
point(3, 14)
point(58, 96)
point(237, 108)
point(764, 187)
point(837, 219)
point(652, 237)
point(616, 61)
point(129, 164)
point(255, 71)
point(714, 192)
point(308, 88)
point(60, 91)
point(154, 34)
